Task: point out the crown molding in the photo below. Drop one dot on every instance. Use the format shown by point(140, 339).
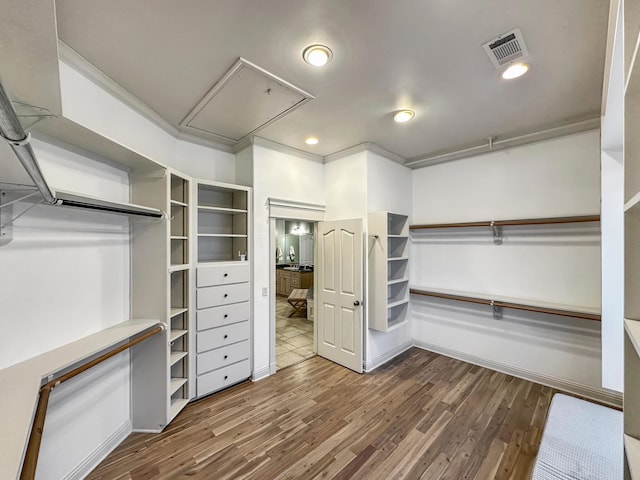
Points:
point(504, 143)
point(88, 70)
point(279, 147)
point(365, 147)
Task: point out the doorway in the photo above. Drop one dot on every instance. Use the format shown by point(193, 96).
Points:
point(293, 291)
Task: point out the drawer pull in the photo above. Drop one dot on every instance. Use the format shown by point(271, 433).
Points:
point(226, 315)
point(226, 295)
point(226, 356)
point(226, 376)
point(226, 336)
point(226, 274)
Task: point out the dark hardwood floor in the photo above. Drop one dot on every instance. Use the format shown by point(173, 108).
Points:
point(422, 415)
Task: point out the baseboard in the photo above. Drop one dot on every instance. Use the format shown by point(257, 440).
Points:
point(372, 364)
point(93, 460)
point(602, 395)
point(260, 373)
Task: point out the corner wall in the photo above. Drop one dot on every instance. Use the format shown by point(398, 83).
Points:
point(561, 264)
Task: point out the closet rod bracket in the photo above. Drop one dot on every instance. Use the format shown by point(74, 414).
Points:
point(497, 310)
point(496, 230)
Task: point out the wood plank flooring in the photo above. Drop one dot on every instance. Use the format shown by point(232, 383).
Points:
point(422, 415)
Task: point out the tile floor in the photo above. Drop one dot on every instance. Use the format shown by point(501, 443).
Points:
point(294, 336)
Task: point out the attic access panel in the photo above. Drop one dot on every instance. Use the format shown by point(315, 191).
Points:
point(246, 99)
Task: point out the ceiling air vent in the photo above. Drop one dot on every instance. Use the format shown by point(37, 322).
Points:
point(506, 48)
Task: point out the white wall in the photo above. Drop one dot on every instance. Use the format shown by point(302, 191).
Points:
point(88, 104)
point(389, 187)
point(557, 264)
point(345, 185)
point(67, 271)
point(284, 176)
point(65, 276)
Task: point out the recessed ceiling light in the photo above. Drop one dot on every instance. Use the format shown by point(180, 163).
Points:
point(514, 71)
point(311, 141)
point(317, 55)
point(402, 116)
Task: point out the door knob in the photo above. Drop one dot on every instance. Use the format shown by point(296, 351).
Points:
point(356, 303)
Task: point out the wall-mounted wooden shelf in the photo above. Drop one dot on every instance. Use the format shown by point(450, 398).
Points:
point(517, 222)
point(574, 311)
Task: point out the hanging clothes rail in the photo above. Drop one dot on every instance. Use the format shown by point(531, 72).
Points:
point(11, 130)
point(497, 304)
point(35, 439)
point(505, 223)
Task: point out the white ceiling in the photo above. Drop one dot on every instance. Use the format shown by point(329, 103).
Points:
point(425, 55)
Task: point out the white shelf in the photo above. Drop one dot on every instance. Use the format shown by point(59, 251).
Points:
point(177, 356)
point(632, 203)
point(632, 452)
point(178, 237)
point(72, 133)
point(632, 84)
point(395, 282)
point(486, 298)
point(177, 311)
point(176, 383)
point(222, 235)
point(179, 204)
point(397, 303)
point(176, 407)
point(176, 334)
point(178, 268)
point(397, 236)
point(633, 330)
point(397, 259)
point(19, 401)
point(231, 211)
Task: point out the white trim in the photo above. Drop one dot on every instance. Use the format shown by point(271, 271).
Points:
point(501, 144)
point(278, 147)
point(100, 453)
point(372, 364)
point(294, 210)
point(365, 147)
point(273, 368)
point(261, 373)
point(603, 395)
point(85, 68)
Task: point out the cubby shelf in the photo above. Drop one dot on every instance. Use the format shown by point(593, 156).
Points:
point(177, 311)
point(176, 383)
point(221, 209)
point(177, 356)
point(631, 30)
point(176, 334)
point(388, 270)
point(178, 203)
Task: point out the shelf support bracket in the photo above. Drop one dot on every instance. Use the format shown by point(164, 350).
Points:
point(496, 230)
point(7, 218)
point(497, 310)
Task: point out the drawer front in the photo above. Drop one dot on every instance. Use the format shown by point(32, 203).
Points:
point(222, 336)
point(223, 377)
point(221, 357)
point(222, 274)
point(222, 295)
point(218, 316)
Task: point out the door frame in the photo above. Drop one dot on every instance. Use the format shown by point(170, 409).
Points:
point(290, 210)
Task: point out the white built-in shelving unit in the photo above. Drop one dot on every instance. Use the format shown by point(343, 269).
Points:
point(222, 332)
point(632, 239)
point(388, 270)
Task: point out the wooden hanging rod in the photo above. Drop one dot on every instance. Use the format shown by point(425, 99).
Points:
point(504, 304)
point(504, 223)
point(35, 438)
